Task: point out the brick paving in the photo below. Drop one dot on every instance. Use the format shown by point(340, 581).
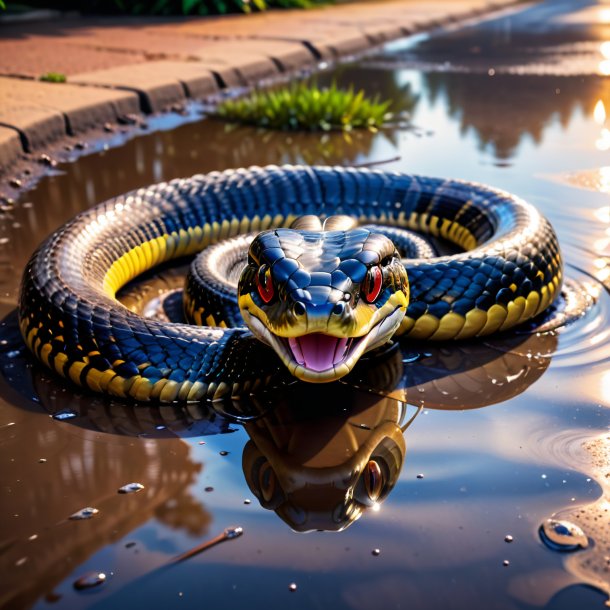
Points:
point(118, 66)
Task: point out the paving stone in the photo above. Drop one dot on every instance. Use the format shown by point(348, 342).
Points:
point(10, 146)
point(38, 126)
point(155, 84)
point(124, 64)
point(37, 55)
point(159, 83)
point(82, 107)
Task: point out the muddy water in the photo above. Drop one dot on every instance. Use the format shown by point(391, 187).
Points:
point(470, 443)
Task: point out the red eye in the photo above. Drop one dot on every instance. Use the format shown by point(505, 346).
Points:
point(264, 283)
point(372, 285)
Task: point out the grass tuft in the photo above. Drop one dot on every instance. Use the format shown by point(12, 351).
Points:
point(307, 107)
point(54, 77)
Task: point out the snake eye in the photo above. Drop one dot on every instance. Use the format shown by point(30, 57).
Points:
point(372, 284)
point(264, 283)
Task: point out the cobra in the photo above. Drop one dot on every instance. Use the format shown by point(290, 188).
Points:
point(320, 296)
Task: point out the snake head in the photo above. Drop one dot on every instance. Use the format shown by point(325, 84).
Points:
point(321, 299)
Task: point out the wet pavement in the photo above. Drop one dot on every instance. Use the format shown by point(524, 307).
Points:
point(428, 492)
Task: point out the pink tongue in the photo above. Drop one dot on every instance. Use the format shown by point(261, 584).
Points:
point(317, 351)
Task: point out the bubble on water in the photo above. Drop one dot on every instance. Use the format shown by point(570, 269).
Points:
point(42, 461)
point(292, 586)
point(233, 532)
point(247, 501)
point(131, 488)
point(90, 579)
point(562, 535)
point(376, 552)
point(508, 538)
point(506, 563)
point(420, 475)
point(223, 453)
point(84, 513)
point(64, 414)
point(210, 488)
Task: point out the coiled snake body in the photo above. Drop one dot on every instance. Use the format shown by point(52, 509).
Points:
point(320, 296)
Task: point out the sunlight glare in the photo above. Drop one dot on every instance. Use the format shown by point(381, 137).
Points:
point(603, 214)
point(603, 142)
point(604, 67)
point(599, 113)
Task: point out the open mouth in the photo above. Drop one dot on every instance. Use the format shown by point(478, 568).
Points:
point(319, 352)
point(318, 357)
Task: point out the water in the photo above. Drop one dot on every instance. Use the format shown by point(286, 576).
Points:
point(415, 488)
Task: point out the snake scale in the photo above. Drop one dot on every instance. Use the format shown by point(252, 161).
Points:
point(319, 296)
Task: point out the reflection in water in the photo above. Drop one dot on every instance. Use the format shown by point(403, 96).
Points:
point(504, 109)
point(322, 457)
point(40, 547)
point(318, 456)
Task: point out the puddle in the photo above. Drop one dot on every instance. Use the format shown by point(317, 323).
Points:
point(407, 493)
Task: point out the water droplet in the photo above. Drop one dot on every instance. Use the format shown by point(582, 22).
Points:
point(209, 489)
point(420, 476)
point(42, 461)
point(233, 532)
point(508, 538)
point(376, 552)
point(21, 561)
point(543, 476)
point(131, 488)
point(130, 544)
point(292, 586)
point(202, 442)
point(506, 563)
point(84, 513)
point(408, 358)
point(246, 501)
point(33, 537)
point(223, 453)
point(562, 535)
point(160, 427)
point(65, 414)
point(13, 354)
point(90, 579)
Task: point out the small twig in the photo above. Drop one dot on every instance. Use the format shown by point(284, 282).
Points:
point(374, 163)
point(229, 534)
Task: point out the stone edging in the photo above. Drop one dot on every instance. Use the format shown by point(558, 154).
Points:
point(162, 64)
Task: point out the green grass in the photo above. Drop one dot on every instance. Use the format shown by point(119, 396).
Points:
point(53, 77)
point(307, 107)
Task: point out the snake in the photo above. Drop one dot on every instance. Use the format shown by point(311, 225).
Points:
point(320, 295)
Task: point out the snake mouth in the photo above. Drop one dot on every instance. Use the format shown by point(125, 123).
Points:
point(320, 352)
point(321, 358)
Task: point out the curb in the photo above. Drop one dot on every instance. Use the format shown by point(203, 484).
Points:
point(212, 54)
